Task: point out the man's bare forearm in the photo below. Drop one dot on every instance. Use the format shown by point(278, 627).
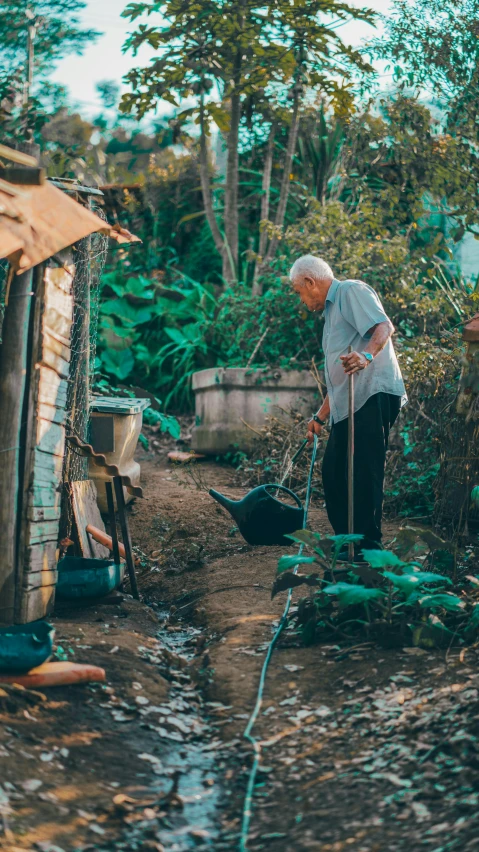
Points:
point(380, 336)
point(323, 412)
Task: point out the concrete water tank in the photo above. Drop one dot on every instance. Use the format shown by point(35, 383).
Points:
point(227, 396)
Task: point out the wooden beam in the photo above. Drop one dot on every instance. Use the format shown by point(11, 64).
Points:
point(18, 156)
point(37, 579)
point(41, 557)
point(86, 512)
point(13, 372)
point(36, 603)
point(26, 175)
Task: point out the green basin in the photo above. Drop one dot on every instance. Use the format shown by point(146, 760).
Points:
point(25, 646)
point(87, 578)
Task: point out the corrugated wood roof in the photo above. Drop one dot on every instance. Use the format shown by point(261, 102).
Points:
point(36, 222)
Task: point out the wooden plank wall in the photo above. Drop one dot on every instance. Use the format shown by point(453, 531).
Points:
point(37, 576)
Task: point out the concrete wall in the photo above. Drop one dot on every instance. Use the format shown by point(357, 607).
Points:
point(225, 397)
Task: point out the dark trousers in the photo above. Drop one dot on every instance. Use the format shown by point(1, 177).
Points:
point(372, 424)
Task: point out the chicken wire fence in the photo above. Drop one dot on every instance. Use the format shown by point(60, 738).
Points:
point(89, 256)
point(3, 284)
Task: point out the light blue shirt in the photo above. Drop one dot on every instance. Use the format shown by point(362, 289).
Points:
point(352, 309)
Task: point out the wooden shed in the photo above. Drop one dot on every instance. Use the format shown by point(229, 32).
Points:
point(37, 225)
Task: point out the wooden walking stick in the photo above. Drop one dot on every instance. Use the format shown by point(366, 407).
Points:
point(351, 462)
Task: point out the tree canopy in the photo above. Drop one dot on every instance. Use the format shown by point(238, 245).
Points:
point(240, 64)
point(57, 31)
point(433, 48)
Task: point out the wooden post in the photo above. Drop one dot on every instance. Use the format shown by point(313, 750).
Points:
point(13, 373)
point(120, 504)
point(111, 515)
point(351, 463)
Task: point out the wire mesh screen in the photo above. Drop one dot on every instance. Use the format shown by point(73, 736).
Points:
point(89, 258)
point(3, 284)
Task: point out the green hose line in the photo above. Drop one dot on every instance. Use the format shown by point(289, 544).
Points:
point(248, 802)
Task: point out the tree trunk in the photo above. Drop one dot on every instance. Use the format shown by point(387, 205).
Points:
point(285, 183)
point(266, 190)
point(231, 216)
point(13, 372)
point(206, 187)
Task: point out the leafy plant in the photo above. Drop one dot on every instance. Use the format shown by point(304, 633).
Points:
point(388, 598)
point(238, 71)
point(154, 335)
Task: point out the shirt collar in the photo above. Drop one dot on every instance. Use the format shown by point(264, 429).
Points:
point(332, 291)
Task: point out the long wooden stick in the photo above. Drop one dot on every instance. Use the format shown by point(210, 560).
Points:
point(125, 532)
point(105, 539)
point(351, 462)
point(111, 515)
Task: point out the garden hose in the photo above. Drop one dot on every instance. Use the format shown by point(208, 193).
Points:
point(248, 802)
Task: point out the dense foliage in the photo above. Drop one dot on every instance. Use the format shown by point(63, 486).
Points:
point(272, 150)
point(395, 597)
point(239, 66)
point(55, 29)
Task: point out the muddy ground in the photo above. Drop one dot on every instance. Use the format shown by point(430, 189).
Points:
point(363, 749)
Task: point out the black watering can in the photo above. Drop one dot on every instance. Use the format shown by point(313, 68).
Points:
point(261, 517)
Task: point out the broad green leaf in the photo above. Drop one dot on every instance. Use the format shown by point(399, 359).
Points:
point(220, 116)
point(382, 559)
point(366, 574)
point(350, 594)
point(313, 540)
point(473, 623)
point(426, 576)
point(118, 338)
point(175, 335)
point(128, 313)
point(413, 540)
point(118, 362)
point(475, 495)
point(409, 582)
point(285, 563)
point(288, 580)
point(345, 538)
point(445, 601)
point(140, 288)
point(170, 424)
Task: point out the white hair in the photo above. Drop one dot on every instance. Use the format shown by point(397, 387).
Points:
point(314, 267)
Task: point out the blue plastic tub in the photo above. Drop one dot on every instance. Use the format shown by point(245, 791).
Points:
point(25, 646)
point(80, 578)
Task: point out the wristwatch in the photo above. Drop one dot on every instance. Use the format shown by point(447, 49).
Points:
point(368, 356)
point(318, 420)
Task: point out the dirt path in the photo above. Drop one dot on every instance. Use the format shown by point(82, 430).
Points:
point(369, 749)
point(365, 749)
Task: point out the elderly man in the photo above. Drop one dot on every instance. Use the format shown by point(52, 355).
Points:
point(354, 317)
